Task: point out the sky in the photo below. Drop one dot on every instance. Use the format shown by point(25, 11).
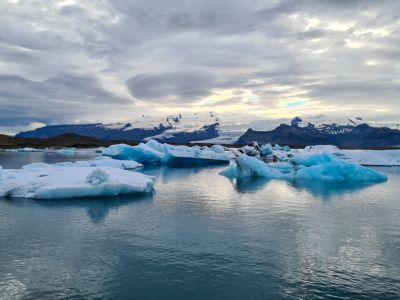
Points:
point(73, 61)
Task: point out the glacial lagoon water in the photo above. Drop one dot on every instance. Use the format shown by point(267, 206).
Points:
point(202, 236)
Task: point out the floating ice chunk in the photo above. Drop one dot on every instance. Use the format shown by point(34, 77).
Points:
point(155, 153)
point(67, 151)
point(326, 167)
point(27, 149)
point(252, 167)
point(183, 155)
point(371, 157)
point(321, 148)
point(72, 182)
point(320, 166)
point(141, 153)
point(266, 149)
point(155, 145)
point(218, 149)
point(97, 162)
point(230, 172)
point(286, 149)
point(250, 150)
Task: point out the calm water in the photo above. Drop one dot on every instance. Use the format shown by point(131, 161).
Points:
point(201, 236)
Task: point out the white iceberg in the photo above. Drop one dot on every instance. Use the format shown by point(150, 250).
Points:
point(319, 166)
point(66, 151)
point(72, 182)
point(218, 148)
point(371, 157)
point(321, 148)
point(155, 153)
point(183, 155)
point(28, 149)
point(97, 162)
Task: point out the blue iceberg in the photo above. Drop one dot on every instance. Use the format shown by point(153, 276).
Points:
point(154, 152)
point(141, 153)
point(320, 166)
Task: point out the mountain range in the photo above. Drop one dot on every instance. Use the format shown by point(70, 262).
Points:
point(222, 129)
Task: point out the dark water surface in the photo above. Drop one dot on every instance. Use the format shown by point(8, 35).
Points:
point(201, 236)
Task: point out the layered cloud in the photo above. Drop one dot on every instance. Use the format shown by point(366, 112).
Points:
point(100, 60)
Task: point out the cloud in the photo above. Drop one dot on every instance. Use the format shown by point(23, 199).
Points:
point(61, 98)
point(171, 86)
point(82, 61)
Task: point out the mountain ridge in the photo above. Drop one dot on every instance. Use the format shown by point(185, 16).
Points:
point(210, 128)
point(361, 135)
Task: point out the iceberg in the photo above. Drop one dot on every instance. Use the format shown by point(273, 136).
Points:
point(182, 155)
point(248, 166)
point(327, 167)
point(102, 161)
point(321, 148)
point(266, 149)
point(142, 153)
point(72, 182)
point(28, 149)
point(321, 166)
point(154, 152)
point(218, 149)
point(66, 151)
point(371, 157)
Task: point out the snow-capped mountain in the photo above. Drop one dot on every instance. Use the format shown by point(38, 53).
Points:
point(353, 133)
point(207, 127)
point(177, 128)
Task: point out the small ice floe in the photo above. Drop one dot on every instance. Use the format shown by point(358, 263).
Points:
point(66, 151)
point(154, 152)
point(28, 149)
point(97, 162)
point(72, 182)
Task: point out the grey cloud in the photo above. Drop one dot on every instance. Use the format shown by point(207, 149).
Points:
point(65, 97)
point(178, 86)
point(181, 51)
point(358, 92)
point(182, 86)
